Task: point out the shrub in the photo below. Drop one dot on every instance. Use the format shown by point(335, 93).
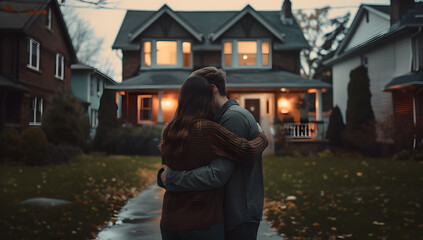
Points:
point(107, 122)
point(34, 146)
point(10, 145)
point(64, 121)
point(406, 155)
point(279, 139)
point(138, 141)
point(336, 127)
point(61, 153)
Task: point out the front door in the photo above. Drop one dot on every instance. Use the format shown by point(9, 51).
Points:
point(253, 106)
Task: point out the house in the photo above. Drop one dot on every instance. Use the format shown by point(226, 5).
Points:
point(88, 84)
point(36, 54)
point(259, 50)
point(388, 40)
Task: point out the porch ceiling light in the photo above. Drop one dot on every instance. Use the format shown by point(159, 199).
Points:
point(245, 57)
point(283, 89)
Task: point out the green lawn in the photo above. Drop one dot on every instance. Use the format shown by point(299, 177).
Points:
point(344, 198)
point(97, 185)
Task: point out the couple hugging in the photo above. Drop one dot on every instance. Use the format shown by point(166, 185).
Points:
point(212, 170)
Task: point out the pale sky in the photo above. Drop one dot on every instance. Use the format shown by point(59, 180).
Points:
point(106, 22)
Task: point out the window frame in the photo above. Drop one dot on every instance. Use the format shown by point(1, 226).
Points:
point(259, 54)
point(140, 107)
point(60, 61)
point(153, 54)
point(30, 53)
point(94, 118)
point(33, 121)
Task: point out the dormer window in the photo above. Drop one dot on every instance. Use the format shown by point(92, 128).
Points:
point(167, 54)
point(246, 54)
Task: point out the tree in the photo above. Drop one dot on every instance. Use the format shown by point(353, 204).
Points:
point(107, 122)
point(64, 120)
point(336, 127)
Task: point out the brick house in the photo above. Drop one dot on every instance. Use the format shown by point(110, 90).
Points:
point(36, 54)
point(259, 50)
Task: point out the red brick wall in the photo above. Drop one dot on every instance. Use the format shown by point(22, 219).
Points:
point(131, 62)
point(286, 60)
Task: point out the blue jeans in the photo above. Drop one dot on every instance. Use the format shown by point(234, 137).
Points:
point(245, 231)
point(215, 232)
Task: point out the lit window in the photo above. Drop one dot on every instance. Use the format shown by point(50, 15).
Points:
point(36, 106)
point(145, 108)
point(147, 53)
point(94, 118)
point(60, 66)
point(265, 50)
point(48, 18)
point(227, 51)
point(186, 50)
point(166, 52)
point(33, 54)
point(247, 52)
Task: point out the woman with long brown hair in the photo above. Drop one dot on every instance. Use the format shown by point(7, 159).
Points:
point(191, 140)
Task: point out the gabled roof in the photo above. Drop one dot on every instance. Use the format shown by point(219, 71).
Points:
point(166, 9)
point(247, 10)
point(208, 22)
point(85, 67)
point(407, 25)
point(244, 79)
point(22, 22)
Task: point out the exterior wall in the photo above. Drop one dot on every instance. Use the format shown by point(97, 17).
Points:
point(403, 56)
point(80, 85)
point(131, 63)
point(287, 60)
point(9, 57)
point(377, 25)
point(207, 58)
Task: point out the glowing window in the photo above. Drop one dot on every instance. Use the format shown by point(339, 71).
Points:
point(186, 50)
point(166, 52)
point(227, 51)
point(247, 52)
point(265, 50)
point(147, 53)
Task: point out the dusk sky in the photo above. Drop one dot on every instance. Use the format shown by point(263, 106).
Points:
point(106, 22)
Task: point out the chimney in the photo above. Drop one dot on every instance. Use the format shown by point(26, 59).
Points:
point(286, 13)
point(399, 8)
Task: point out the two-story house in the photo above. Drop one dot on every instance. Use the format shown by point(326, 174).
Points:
point(388, 40)
point(259, 50)
point(36, 54)
point(88, 84)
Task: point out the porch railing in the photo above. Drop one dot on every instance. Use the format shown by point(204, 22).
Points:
point(300, 130)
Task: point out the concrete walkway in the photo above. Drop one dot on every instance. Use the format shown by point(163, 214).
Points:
point(140, 217)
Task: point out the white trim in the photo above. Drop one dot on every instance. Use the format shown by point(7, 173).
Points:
point(34, 122)
point(94, 118)
point(139, 97)
point(234, 55)
point(30, 63)
point(49, 23)
point(179, 54)
point(166, 9)
point(379, 13)
point(60, 61)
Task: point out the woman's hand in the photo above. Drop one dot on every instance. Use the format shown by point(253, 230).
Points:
point(259, 128)
point(163, 175)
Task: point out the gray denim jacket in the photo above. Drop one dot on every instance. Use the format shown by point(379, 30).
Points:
point(244, 191)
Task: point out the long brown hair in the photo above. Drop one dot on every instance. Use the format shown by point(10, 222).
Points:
point(195, 102)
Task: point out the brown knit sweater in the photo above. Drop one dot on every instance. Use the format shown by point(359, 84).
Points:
point(207, 140)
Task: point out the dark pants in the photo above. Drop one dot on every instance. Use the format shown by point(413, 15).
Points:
point(245, 231)
point(215, 232)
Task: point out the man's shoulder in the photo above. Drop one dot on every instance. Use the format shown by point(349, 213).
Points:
point(237, 112)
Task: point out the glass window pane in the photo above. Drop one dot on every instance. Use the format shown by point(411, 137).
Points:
point(147, 53)
point(265, 48)
point(265, 59)
point(227, 48)
point(247, 47)
point(227, 59)
point(146, 103)
point(186, 47)
point(166, 52)
point(247, 59)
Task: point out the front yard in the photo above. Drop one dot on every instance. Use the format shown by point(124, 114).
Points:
point(306, 197)
point(344, 198)
point(97, 185)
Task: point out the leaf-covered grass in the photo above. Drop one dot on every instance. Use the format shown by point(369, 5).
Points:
point(344, 198)
point(97, 185)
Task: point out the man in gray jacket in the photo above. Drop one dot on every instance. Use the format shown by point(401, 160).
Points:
point(244, 191)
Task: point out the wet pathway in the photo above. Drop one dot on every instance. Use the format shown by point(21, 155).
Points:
point(139, 219)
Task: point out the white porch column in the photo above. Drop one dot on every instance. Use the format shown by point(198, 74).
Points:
point(319, 106)
point(160, 112)
point(414, 121)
